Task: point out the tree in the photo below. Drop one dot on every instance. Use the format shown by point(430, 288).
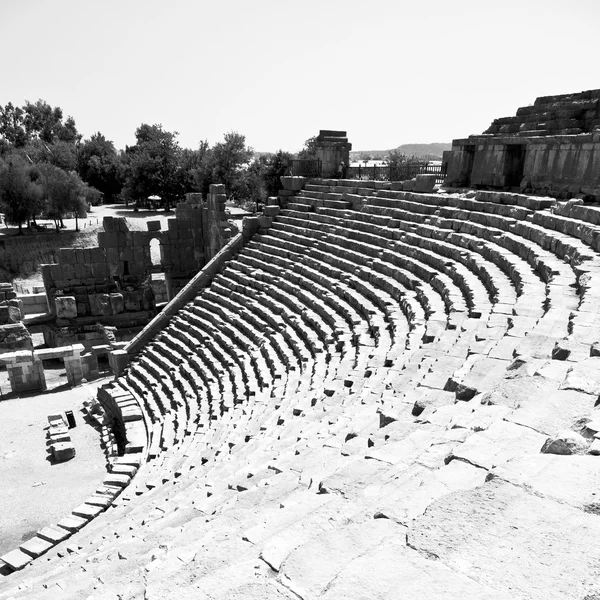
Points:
point(195, 167)
point(400, 159)
point(99, 165)
point(275, 168)
point(12, 127)
point(228, 158)
point(152, 165)
point(310, 149)
point(20, 194)
point(64, 193)
point(44, 122)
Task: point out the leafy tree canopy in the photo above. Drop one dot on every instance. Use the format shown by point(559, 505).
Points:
point(152, 165)
point(99, 165)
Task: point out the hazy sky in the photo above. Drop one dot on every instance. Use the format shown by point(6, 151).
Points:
point(388, 72)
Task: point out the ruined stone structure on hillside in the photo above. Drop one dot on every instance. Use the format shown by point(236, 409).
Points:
point(378, 393)
point(552, 147)
point(101, 297)
point(110, 283)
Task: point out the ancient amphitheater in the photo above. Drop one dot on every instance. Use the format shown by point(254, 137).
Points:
point(381, 394)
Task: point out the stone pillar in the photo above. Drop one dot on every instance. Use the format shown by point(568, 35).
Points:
point(332, 147)
point(89, 363)
point(118, 361)
point(217, 228)
point(25, 371)
point(73, 365)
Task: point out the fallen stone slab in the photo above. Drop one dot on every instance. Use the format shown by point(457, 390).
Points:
point(310, 568)
point(552, 412)
point(501, 442)
point(413, 490)
point(393, 570)
point(574, 480)
point(516, 390)
point(584, 377)
point(566, 442)
point(513, 541)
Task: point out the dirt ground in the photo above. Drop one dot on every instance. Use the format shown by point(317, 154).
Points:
point(33, 491)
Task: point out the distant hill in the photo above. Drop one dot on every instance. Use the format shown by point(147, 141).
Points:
point(434, 150)
point(421, 149)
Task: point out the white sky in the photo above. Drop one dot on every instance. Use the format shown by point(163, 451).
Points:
point(388, 72)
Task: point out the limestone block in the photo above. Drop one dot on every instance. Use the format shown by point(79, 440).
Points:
point(118, 361)
point(66, 307)
point(100, 270)
point(116, 303)
point(66, 255)
point(271, 211)
point(132, 301)
point(567, 442)
point(292, 183)
point(81, 271)
point(98, 255)
point(100, 305)
point(16, 559)
point(425, 183)
point(36, 546)
point(63, 451)
point(408, 185)
point(68, 270)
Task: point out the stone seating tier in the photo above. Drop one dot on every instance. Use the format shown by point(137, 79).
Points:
point(363, 379)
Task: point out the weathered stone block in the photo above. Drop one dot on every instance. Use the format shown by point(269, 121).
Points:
point(63, 451)
point(116, 303)
point(425, 183)
point(66, 307)
point(100, 304)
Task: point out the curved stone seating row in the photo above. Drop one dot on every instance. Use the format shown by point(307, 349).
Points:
point(304, 431)
point(473, 291)
point(336, 268)
point(359, 253)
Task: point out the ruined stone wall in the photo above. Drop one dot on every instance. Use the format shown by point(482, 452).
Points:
point(551, 147)
point(13, 334)
point(112, 281)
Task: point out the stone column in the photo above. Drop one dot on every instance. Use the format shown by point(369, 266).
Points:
point(89, 363)
point(217, 227)
point(332, 147)
point(118, 361)
point(73, 365)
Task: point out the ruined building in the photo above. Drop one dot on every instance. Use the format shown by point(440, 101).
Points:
point(552, 147)
point(111, 282)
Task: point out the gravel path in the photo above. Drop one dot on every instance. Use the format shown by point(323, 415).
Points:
point(33, 492)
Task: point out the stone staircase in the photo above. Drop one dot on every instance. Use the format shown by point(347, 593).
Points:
point(357, 405)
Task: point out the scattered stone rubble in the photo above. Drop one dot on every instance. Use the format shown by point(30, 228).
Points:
point(373, 399)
